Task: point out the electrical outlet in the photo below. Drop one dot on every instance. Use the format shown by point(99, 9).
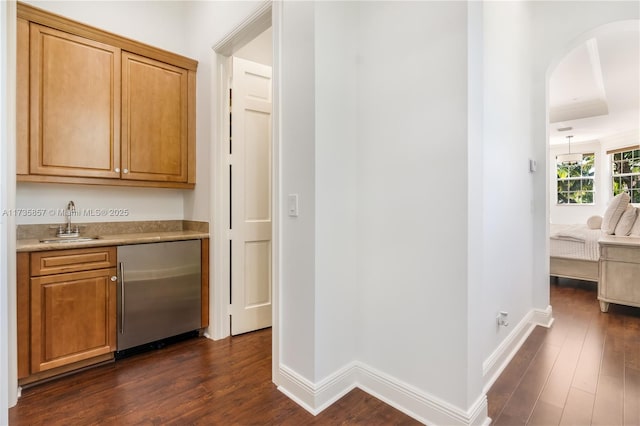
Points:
point(502, 319)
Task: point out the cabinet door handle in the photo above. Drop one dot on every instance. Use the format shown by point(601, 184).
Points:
point(117, 170)
point(114, 278)
point(125, 171)
point(122, 305)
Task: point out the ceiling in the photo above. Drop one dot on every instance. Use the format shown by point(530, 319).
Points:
point(595, 89)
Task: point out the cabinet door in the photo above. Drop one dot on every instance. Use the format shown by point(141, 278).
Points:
point(73, 317)
point(154, 120)
point(74, 105)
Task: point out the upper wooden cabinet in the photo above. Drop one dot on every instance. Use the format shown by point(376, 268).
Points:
point(96, 108)
point(154, 120)
point(74, 105)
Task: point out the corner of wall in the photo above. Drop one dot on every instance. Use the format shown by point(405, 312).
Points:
point(315, 397)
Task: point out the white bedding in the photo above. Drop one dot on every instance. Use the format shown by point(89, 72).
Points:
point(575, 242)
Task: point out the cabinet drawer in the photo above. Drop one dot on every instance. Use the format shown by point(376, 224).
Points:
point(73, 260)
point(629, 254)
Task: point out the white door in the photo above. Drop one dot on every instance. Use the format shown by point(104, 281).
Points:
point(250, 196)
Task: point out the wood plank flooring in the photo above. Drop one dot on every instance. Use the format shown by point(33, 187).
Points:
point(194, 382)
point(585, 370)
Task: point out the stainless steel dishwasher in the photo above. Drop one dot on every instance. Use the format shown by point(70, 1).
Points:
point(158, 291)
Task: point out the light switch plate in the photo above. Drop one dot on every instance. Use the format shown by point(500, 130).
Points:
point(292, 202)
point(533, 165)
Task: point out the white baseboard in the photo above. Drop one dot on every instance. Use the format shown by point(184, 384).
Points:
point(402, 396)
point(543, 317)
point(495, 364)
point(426, 408)
point(316, 397)
point(420, 405)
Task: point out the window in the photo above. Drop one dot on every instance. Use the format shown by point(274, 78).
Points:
point(576, 181)
point(625, 173)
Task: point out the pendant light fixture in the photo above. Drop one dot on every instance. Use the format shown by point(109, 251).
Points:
point(569, 158)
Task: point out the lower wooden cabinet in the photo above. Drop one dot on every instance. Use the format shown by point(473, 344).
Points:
point(67, 309)
point(70, 317)
point(73, 318)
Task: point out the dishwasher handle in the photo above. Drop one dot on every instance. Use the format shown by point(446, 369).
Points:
point(122, 295)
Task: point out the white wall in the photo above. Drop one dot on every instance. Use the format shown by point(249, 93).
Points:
point(297, 173)
point(207, 23)
point(98, 203)
point(507, 183)
point(258, 50)
point(138, 20)
point(411, 194)
point(400, 271)
point(475, 178)
point(336, 286)
point(363, 138)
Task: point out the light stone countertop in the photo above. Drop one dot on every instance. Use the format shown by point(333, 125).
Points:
point(29, 245)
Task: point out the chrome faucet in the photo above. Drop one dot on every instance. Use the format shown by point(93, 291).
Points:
point(69, 231)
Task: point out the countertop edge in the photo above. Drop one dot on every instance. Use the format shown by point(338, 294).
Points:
point(33, 245)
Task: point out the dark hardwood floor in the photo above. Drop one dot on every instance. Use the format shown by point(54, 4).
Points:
point(584, 370)
point(194, 382)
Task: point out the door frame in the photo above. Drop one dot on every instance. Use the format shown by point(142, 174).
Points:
point(9, 389)
point(264, 16)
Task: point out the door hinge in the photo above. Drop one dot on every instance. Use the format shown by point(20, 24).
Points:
point(229, 160)
point(229, 309)
point(229, 234)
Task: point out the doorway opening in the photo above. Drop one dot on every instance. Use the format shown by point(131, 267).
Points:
point(593, 108)
point(244, 180)
point(250, 221)
point(593, 105)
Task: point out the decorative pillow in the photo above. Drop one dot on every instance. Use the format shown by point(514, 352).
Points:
point(626, 221)
point(635, 230)
point(614, 211)
point(594, 222)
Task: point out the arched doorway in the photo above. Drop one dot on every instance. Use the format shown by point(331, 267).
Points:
point(552, 50)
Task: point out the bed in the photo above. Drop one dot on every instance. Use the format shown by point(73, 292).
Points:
point(605, 250)
point(574, 252)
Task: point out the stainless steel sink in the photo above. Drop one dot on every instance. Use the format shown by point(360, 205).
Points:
point(68, 240)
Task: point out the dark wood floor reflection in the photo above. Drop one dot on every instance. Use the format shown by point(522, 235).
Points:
point(195, 382)
point(585, 370)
